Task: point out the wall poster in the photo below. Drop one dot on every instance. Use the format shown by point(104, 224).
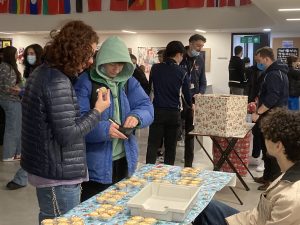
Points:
point(4, 42)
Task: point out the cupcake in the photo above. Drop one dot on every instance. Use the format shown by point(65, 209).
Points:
point(150, 220)
point(105, 216)
point(62, 220)
point(48, 221)
point(76, 219)
point(94, 215)
point(131, 222)
point(137, 218)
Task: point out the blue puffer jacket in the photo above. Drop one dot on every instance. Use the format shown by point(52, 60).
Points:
point(53, 132)
point(98, 141)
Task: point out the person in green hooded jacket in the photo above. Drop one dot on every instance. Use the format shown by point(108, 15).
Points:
point(111, 155)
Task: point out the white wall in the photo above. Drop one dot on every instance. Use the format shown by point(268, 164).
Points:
point(220, 44)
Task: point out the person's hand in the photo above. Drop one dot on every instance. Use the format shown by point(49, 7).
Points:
point(131, 122)
point(15, 90)
point(103, 101)
point(255, 117)
point(115, 133)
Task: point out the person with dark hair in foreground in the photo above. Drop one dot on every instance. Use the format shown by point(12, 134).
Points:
point(53, 145)
point(280, 203)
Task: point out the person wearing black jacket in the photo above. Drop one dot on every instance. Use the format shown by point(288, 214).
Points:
point(274, 93)
point(168, 80)
point(193, 64)
point(140, 75)
point(294, 82)
point(53, 133)
point(236, 69)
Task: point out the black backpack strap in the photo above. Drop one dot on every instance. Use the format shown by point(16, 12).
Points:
point(94, 94)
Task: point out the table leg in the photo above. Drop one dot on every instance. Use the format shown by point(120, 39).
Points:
point(224, 157)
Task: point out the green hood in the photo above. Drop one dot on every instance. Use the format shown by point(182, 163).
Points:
point(112, 50)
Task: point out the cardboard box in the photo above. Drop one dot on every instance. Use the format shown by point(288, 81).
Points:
point(220, 115)
point(168, 202)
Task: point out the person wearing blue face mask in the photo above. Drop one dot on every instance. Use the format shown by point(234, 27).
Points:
point(273, 93)
point(194, 66)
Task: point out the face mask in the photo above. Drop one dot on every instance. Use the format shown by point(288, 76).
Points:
point(195, 53)
point(261, 66)
point(31, 59)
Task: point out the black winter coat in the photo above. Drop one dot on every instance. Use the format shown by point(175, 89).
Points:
point(294, 82)
point(53, 144)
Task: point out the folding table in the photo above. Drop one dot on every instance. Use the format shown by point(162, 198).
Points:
point(225, 154)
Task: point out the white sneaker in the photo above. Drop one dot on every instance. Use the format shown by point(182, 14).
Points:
point(261, 167)
point(8, 160)
point(254, 161)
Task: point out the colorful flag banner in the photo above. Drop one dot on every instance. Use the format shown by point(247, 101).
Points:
point(16, 6)
point(194, 3)
point(245, 2)
point(33, 7)
point(137, 5)
point(79, 7)
point(64, 7)
point(94, 5)
point(3, 6)
point(50, 7)
point(211, 3)
point(118, 5)
point(158, 4)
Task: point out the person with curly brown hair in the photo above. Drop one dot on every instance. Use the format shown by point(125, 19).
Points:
point(53, 148)
point(280, 203)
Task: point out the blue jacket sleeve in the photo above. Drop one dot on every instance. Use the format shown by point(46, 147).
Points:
point(202, 78)
point(83, 89)
point(140, 103)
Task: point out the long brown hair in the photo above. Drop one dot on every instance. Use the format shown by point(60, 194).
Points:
point(9, 56)
point(70, 47)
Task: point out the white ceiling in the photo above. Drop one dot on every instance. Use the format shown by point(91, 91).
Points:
point(261, 14)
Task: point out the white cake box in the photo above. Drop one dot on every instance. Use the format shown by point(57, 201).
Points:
point(162, 201)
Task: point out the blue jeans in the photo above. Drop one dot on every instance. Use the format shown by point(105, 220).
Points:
point(12, 133)
point(21, 177)
point(68, 196)
point(215, 214)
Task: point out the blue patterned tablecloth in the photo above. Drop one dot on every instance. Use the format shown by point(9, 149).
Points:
point(212, 181)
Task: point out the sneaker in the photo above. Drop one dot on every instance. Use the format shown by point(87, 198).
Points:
point(261, 167)
point(260, 180)
point(12, 159)
point(264, 186)
point(180, 143)
point(254, 161)
point(17, 157)
point(13, 186)
point(160, 159)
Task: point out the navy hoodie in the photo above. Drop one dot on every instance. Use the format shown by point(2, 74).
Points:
point(275, 86)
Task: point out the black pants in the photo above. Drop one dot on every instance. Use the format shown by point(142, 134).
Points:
point(91, 188)
point(272, 169)
point(166, 125)
point(256, 141)
point(189, 139)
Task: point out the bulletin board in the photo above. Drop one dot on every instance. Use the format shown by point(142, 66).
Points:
point(284, 43)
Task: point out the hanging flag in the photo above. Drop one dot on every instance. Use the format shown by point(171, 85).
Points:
point(211, 3)
point(79, 6)
point(64, 7)
point(158, 4)
point(34, 7)
point(245, 2)
point(175, 4)
point(3, 6)
point(94, 5)
point(16, 6)
point(231, 3)
point(194, 3)
point(222, 3)
point(137, 5)
point(50, 7)
point(118, 5)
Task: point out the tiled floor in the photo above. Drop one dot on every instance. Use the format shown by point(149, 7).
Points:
point(20, 206)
